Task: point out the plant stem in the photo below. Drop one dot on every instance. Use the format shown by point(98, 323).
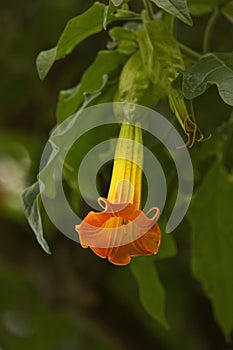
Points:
point(209, 30)
point(190, 52)
point(148, 8)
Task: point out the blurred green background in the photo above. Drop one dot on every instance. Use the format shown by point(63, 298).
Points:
point(72, 299)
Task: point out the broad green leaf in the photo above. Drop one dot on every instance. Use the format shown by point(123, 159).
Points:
point(177, 8)
point(107, 63)
point(76, 30)
point(151, 291)
point(32, 211)
point(201, 7)
point(56, 150)
point(75, 156)
point(135, 86)
point(210, 215)
point(227, 11)
point(214, 68)
point(160, 54)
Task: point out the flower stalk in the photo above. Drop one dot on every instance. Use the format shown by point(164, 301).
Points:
point(184, 113)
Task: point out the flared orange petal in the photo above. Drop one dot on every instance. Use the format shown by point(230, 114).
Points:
point(107, 238)
point(148, 244)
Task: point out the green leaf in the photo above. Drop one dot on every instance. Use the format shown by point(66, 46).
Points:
point(151, 291)
point(76, 154)
point(177, 8)
point(107, 94)
point(32, 211)
point(76, 30)
point(214, 68)
point(227, 11)
point(108, 12)
point(135, 86)
point(160, 54)
point(124, 39)
point(70, 100)
point(111, 9)
point(44, 61)
point(107, 63)
point(210, 215)
point(168, 247)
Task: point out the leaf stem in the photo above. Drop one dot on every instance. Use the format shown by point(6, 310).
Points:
point(149, 9)
point(190, 52)
point(209, 30)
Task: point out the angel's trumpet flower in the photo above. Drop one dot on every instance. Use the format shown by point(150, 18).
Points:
point(122, 230)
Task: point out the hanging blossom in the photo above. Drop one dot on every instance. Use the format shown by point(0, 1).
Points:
point(184, 112)
point(122, 230)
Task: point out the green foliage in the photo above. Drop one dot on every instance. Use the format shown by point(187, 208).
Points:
point(45, 61)
point(76, 154)
point(211, 69)
point(107, 64)
point(210, 217)
point(124, 39)
point(176, 8)
point(113, 6)
point(168, 243)
point(160, 53)
point(31, 197)
point(134, 85)
point(151, 291)
point(76, 30)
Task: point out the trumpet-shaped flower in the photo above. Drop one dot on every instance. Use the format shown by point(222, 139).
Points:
point(122, 230)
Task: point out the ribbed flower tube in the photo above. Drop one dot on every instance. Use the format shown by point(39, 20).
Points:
point(122, 230)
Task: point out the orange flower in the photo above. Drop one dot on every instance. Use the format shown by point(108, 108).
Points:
point(122, 230)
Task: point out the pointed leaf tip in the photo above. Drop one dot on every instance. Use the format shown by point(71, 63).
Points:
point(30, 198)
point(177, 8)
point(44, 61)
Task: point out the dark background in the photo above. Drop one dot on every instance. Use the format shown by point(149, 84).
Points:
point(72, 299)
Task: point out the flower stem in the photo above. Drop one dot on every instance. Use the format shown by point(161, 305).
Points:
point(191, 53)
point(209, 30)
